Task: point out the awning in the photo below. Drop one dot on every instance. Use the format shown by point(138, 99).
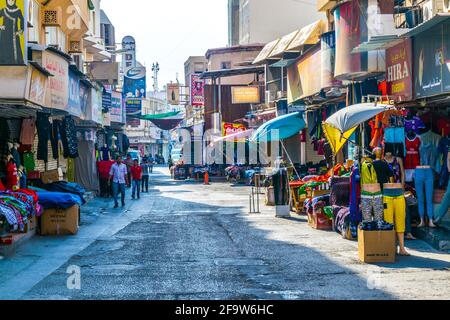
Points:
point(235, 137)
point(168, 123)
point(232, 72)
point(280, 128)
point(283, 44)
point(149, 117)
point(437, 19)
point(283, 63)
point(308, 35)
point(378, 43)
point(266, 51)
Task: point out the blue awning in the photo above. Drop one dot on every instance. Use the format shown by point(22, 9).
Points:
point(280, 128)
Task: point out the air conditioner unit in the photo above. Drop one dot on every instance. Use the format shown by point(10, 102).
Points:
point(52, 18)
point(447, 6)
point(430, 8)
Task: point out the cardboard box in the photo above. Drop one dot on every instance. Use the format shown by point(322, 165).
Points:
point(52, 176)
point(377, 246)
point(58, 222)
point(320, 221)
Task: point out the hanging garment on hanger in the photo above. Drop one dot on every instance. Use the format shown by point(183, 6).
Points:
point(28, 132)
point(412, 160)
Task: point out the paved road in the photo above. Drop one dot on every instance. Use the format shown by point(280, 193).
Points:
point(189, 241)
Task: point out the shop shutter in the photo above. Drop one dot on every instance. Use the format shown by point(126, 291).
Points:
point(311, 154)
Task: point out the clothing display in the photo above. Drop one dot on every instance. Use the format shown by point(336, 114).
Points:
point(395, 168)
point(55, 137)
point(28, 132)
point(429, 150)
point(414, 124)
point(355, 195)
point(384, 172)
point(105, 152)
point(372, 206)
point(28, 161)
point(376, 226)
point(394, 139)
point(69, 138)
point(368, 173)
point(443, 150)
point(43, 128)
point(424, 183)
point(395, 210)
point(340, 191)
point(412, 160)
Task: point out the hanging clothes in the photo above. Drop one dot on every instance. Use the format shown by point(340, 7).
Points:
point(412, 160)
point(28, 132)
point(55, 137)
point(28, 161)
point(69, 138)
point(43, 127)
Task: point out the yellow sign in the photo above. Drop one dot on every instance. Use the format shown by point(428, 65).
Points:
point(13, 32)
point(242, 95)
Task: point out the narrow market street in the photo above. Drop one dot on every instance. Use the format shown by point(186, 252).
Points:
point(189, 241)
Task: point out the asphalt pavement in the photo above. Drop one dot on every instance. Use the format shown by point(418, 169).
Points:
point(184, 240)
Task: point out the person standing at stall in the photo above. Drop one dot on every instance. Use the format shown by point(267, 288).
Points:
point(119, 177)
point(136, 175)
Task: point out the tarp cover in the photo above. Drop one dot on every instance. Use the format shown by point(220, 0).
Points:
point(58, 200)
point(280, 128)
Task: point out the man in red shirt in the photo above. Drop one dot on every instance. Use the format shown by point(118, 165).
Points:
point(136, 175)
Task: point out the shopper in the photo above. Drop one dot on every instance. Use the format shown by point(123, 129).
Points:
point(129, 163)
point(145, 175)
point(151, 163)
point(119, 177)
point(443, 208)
point(136, 174)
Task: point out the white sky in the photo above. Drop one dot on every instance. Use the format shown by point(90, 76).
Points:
point(169, 31)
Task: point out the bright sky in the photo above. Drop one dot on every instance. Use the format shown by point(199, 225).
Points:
point(169, 31)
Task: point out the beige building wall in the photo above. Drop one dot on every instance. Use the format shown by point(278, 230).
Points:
point(262, 21)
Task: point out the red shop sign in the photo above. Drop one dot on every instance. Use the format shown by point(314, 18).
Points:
point(399, 71)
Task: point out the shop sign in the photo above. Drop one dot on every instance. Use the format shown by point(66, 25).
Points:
point(399, 71)
point(74, 103)
point(58, 84)
point(134, 90)
point(328, 56)
point(106, 99)
point(106, 119)
point(232, 128)
point(197, 91)
point(13, 32)
point(84, 100)
point(173, 94)
point(245, 95)
point(38, 84)
point(116, 107)
point(432, 62)
point(96, 106)
point(304, 80)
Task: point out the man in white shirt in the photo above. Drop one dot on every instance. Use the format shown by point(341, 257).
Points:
point(119, 176)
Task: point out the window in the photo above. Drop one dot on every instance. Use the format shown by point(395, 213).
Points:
point(33, 19)
point(55, 37)
point(225, 65)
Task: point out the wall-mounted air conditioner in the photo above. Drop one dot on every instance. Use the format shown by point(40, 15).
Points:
point(430, 8)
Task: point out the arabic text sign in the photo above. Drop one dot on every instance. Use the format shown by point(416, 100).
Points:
point(243, 95)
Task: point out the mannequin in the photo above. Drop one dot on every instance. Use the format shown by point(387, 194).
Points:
point(11, 174)
point(371, 195)
point(105, 153)
point(384, 173)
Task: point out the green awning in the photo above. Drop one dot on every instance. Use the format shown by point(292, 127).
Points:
point(158, 116)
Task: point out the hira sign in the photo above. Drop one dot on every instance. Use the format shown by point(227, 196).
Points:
point(399, 71)
point(232, 128)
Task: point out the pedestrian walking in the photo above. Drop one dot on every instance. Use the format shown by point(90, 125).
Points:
point(151, 163)
point(145, 175)
point(129, 163)
point(118, 175)
point(136, 175)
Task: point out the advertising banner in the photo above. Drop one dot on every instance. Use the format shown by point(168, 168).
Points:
point(432, 62)
point(38, 85)
point(58, 85)
point(96, 106)
point(13, 32)
point(399, 71)
point(116, 107)
point(232, 128)
point(328, 54)
point(304, 80)
point(74, 105)
point(134, 90)
point(85, 100)
point(173, 94)
point(197, 91)
point(241, 95)
point(106, 99)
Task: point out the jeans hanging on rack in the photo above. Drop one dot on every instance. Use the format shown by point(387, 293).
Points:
point(43, 128)
point(69, 138)
point(54, 138)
